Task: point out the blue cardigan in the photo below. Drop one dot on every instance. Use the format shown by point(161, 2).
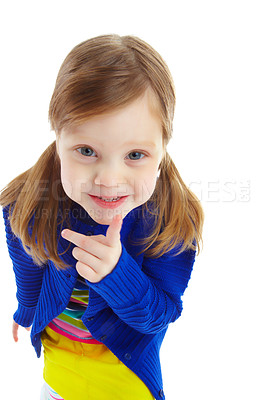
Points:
point(129, 310)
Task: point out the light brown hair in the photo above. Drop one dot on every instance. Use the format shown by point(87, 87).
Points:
point(99, 75)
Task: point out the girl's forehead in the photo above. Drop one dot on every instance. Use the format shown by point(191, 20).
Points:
point(105, 135)
point(131, 127)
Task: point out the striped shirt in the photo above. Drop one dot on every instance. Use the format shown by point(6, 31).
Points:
point(69, 323)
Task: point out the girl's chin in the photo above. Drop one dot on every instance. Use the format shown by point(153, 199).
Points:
point(105, 218)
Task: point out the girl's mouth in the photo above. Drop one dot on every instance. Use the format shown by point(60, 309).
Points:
point(111, 202)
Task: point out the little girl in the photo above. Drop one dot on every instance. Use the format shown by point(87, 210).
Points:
point(102, 231)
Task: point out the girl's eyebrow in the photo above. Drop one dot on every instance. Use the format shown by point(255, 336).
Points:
point(135, 144)
point(129, 144)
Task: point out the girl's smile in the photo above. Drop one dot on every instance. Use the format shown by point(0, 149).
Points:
point(109, 164)
point(111, 202)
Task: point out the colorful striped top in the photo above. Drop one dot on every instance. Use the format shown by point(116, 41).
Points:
point(69, 323)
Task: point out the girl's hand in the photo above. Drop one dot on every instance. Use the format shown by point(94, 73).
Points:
point(15, 330)
point(97, 255)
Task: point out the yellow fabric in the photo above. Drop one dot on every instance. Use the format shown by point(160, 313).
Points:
point(81, 371)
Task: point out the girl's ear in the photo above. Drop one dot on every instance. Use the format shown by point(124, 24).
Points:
point(57, 146)
point(162, 161)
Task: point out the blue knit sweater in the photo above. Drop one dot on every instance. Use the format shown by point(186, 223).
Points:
point(129, 310)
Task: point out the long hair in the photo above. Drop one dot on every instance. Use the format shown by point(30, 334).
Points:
point(99, 75)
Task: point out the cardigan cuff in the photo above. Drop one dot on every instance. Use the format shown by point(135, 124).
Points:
point(125, 284)
point(24, 316)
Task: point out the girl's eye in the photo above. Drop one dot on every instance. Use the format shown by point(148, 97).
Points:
point(136, 155)
point(86, 151)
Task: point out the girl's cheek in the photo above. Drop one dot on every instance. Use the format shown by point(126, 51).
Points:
point(68, 180)
point(67, 186)
point(144, 189)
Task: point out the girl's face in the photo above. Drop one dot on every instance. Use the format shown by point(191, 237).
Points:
point(115, 155)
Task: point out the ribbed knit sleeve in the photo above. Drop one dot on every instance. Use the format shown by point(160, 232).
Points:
point(147, 297)
point(28, 277)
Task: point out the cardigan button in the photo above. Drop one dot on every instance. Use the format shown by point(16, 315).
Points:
point(89, 233)
point(103, 338)
point(161, 393)
point(127, 356)
point(90, 319)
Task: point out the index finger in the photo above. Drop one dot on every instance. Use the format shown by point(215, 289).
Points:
point(74, 237)
point(113, 231)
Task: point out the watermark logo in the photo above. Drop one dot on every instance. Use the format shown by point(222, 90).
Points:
point(225, 191)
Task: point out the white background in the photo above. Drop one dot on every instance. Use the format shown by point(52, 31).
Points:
point(216, 53)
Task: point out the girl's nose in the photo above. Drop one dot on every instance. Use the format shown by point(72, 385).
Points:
point(109, 176)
